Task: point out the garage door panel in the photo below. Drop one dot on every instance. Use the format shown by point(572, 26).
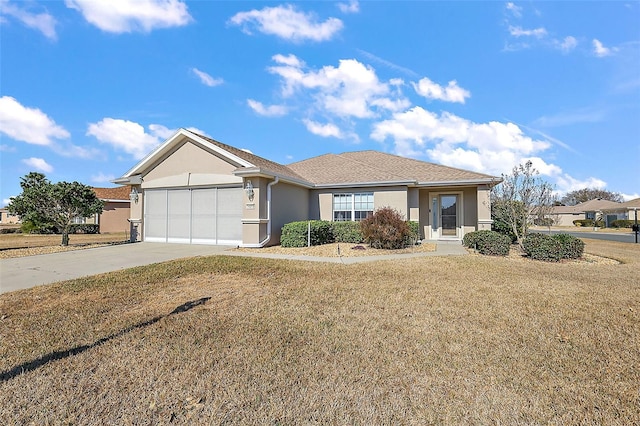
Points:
point(203, 216)
point(155, 218)
point(179, 216)
point(200, 216)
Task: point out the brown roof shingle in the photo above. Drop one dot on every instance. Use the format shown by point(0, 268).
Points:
point(117, 193)
point(262, 163)
point(373, 166)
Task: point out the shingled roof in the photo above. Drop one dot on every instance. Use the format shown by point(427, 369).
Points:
point(372, 166)
point(120, 193)
point(261, 163)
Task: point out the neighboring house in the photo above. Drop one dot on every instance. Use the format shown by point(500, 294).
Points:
point(7, 218)
point(592, 209)
point(115, 214)
point(193, 189)
point(627, 211)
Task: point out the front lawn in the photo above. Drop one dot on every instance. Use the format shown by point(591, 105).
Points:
point(443, 340)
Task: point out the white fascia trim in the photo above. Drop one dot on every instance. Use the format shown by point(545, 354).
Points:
point(365, 184)
point(257, 172)
point(174, 140)
point(459, 182)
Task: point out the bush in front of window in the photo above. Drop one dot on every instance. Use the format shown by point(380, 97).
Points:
point(386, 229)
point(622, 223)
point(347, 232)
point(296, 234)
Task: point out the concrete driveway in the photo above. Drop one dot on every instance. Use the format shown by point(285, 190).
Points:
point(30, 271)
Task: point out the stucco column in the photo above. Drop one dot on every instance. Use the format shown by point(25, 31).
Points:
point(484, 208)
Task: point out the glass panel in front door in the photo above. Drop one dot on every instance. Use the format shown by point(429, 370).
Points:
point(448, 215)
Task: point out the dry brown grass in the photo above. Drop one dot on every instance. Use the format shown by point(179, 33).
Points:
point(19, 245)
point(438, 340)
point(340, 250)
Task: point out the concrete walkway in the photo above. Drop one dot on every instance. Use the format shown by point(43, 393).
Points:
point(26, 272)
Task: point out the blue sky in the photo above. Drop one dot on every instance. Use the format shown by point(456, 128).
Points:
point(88, 88)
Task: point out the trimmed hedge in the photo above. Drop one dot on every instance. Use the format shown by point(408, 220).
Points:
point(346, 232)
point(84, 228)
point(571, 247)
point(589, 223)
point(622, 223)
point(294, 234)
point(553, 247)
point(542, 247)
point(490, 243)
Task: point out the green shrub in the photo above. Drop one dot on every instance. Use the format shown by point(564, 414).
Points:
point(502, 215)
point(12, 230)
point(414, 232)
point(571, 247)
point(622, 223)
point(385, 229)
point(346, 232)
point(31, 227)
point(542, 247)
point(589, 223)
point(84, 228)
point(487, 242)
point(294, 234)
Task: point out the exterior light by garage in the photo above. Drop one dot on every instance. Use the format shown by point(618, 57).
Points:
point(133, 195)
point(249, 190)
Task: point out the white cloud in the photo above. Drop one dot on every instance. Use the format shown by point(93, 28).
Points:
point(7, 201)
point(268, 111)
point(351, 7)
point(127, 136)
point(43, 22)
point(370, 56)
point(600, 50)
point(451, 93)
point(290, 60)
point(206, 79)
point(350, 90)
point(567, 44)
point(125, 16)
point(519, 32)
point(514, 9)
point(38, 164)
point(324, 130)
point(287, 23)
point(102, 178)
point(161, 131)
point(492, 147)
point(26, 124)
point(566, 183)
point(629, 197)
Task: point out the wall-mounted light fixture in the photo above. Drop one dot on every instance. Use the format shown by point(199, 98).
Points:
point(133, 195)
point(248, 188)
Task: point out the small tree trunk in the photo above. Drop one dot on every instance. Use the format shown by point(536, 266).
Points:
point(65, 238)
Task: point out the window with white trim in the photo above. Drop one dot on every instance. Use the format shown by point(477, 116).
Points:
point(352, 207)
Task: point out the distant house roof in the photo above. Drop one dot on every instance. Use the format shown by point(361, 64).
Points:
point(597, 204)
point(120, 193)
point(594, 205)
point(369, 167)
point(629, 205)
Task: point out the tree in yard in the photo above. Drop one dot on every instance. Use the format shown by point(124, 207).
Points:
point(54, 204)
point(585, 194)
point(520, 196)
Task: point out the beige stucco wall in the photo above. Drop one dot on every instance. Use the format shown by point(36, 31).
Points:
point(114, 217)
point(289, 203)
point(188, 158)
point(7, 218)
point(321, 200)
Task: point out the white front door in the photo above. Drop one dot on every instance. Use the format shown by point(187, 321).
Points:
point(445, 216)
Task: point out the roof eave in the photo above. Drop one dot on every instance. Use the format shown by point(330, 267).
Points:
point(171, 142)
point(258, 172)
point(364, 184)
point(484, 181)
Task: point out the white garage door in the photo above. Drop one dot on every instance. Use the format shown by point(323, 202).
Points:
point(193, 216)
